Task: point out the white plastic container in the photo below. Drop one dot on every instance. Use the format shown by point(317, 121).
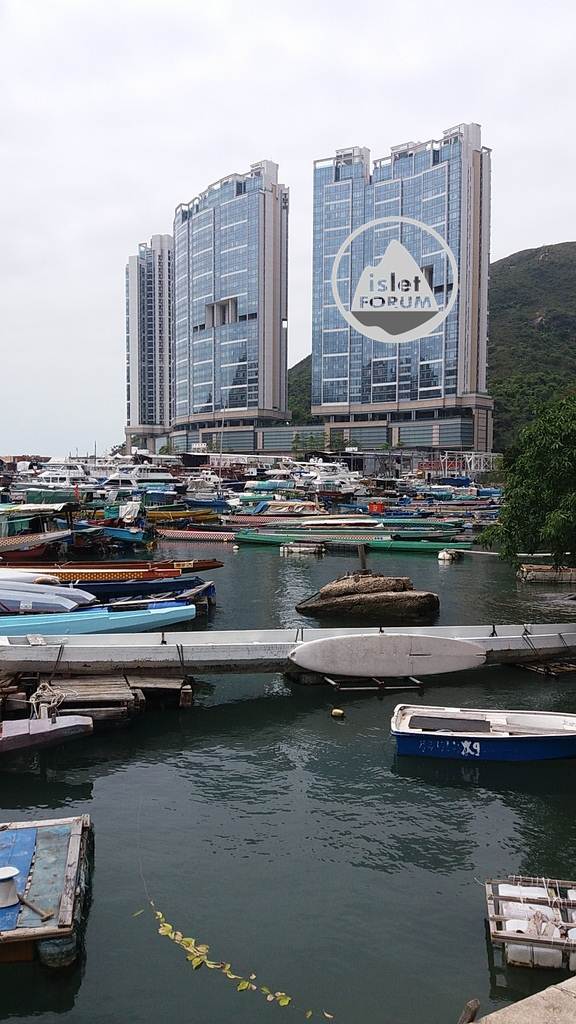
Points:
point(572, 958)
point(8, 893)
point(528, 955)
point(571, 894)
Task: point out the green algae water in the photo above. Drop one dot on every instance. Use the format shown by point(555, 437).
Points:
point(299, 847)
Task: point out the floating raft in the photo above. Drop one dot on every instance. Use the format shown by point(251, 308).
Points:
point(533, 920)
point(53, 861)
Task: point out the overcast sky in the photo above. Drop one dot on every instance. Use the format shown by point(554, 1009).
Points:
point(112, 113)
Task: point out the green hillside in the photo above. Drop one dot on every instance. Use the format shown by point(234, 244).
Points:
point(532, 338)
point(299, 384)
point(532, 334)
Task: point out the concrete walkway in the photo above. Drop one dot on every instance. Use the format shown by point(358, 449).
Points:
point(554, 1005)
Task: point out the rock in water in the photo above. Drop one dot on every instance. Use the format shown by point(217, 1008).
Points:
point(365, 594)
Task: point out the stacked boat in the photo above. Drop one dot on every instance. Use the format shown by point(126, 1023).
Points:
point(103, 598)
point(350, 531)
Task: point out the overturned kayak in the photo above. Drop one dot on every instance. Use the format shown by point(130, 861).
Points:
point(21, 598)
point(376, 655)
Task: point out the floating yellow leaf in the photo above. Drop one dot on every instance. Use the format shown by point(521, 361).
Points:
point(308, 1014)
point(284, 1001)
point(197, 962)
point(270, 998)
point(166, 929)
point(242, 985)
point(252, 976)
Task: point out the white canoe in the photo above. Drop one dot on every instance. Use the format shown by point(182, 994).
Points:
point(375, 655)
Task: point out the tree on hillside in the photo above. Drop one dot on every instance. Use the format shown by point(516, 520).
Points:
point(518, 398)
point(539, 511)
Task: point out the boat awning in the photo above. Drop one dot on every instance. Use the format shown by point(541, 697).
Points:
point(38, 510)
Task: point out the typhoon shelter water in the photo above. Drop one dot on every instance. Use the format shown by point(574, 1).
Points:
point(300, 847)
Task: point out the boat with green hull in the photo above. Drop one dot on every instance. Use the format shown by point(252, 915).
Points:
point(378, 542)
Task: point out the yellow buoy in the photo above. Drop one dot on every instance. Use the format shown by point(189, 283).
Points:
point(337, 713)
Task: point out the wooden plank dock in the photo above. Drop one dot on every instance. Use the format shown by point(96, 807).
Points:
point(53, 857)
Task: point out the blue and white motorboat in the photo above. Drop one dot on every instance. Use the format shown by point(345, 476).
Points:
point(157, 615)
point(477, 734)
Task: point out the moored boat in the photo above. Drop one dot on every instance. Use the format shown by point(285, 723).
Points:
point(82, 572)
point(156, 616)
point(379, 542)
point(478, 734)
point(33, 733)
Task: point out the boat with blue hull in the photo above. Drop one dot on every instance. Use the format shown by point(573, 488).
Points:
point(109, 590)
point(156, 616)
point(477, 734)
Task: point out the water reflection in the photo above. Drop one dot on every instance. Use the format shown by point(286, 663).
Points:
point(289, 840)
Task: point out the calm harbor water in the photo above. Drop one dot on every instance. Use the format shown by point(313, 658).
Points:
point(299, 847)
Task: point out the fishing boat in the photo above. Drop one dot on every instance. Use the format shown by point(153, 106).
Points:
point(33, 733)
point(28, 531)
point(380, 542)
point(83, 572)
point(477, 734)
point(108, 619)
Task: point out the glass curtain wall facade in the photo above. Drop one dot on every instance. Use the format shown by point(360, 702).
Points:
point(149, 338)
point(230, 301)
point(442, 183)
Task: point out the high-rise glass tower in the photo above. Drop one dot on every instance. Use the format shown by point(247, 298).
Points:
point(149, 339)
point(230, 302)
point(440, 380)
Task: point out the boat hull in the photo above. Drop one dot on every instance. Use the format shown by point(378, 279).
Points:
point(33, 733)
point(98, 620)
point(373, 543)
point(486, 748)
point(106, 590)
